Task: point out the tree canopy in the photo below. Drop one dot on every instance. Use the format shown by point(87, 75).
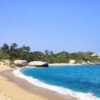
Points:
point(13, 52)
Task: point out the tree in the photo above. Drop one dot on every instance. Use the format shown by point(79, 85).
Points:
point(26, 49)
point(37, 55)
point(4, 55)
point(13, 46)
point(13, 51)
point(5, 48)
point(62, 57)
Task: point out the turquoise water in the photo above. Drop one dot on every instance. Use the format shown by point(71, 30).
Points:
point(78, 78)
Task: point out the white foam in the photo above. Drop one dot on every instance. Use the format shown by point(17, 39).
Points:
point(60, 90)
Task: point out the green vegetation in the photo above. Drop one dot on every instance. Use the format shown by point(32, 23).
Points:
point(13, 52)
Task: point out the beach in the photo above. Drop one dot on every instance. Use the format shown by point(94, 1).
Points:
point(63, 64)
point(11, 91)
point(14, 88)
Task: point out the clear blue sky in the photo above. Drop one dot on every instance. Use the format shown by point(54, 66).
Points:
point(70, 25)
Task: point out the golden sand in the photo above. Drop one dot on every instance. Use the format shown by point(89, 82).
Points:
point(11, 91)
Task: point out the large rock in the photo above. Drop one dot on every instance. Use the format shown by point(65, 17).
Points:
point(97, 62)
point(71, 61)
point(38, 64)
point(20, 62)
point(94, 55)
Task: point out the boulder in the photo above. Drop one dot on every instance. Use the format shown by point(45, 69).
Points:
point(38, 64)
point(20, 62)
point(97, 62)
point(72, 61)
point(94, 55)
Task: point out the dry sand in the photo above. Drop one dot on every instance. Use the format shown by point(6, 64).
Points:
point(11, 91)
point(4, 67)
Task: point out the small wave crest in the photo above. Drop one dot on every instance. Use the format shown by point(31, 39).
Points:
point(60, 90)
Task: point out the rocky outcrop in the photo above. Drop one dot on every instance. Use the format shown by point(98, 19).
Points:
point(71, 61)
point(97, 62)
point(20, 62)
point(38, 64)
point(94, 55)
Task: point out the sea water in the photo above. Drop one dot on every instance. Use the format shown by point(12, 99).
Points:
point(81, 81)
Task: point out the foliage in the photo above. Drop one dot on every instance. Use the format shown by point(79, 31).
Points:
point(13, 52)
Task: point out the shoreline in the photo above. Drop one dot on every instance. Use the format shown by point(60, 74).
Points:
point(54, 89)
point(32, 89)
point(63, 64)
point(67, 64)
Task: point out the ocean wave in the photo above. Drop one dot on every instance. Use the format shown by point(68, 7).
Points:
point(60, 90)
